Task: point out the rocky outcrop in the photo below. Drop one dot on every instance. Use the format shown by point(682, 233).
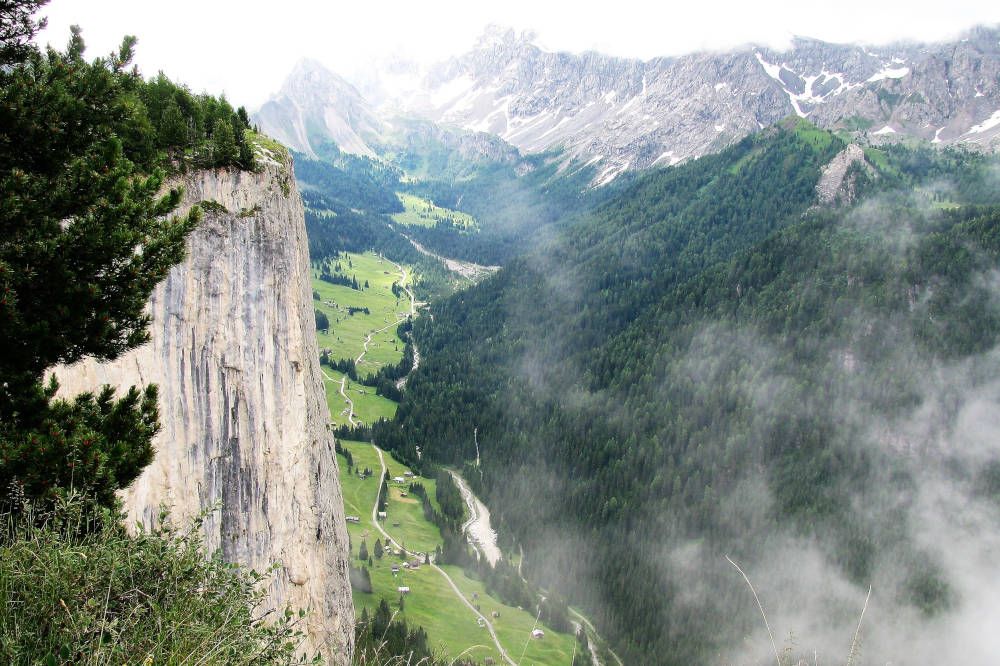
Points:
point(836, 186)
point(317, 107)
point(233, 351)
point(413, 139)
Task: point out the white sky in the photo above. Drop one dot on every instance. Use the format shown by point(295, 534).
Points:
point(245, 49)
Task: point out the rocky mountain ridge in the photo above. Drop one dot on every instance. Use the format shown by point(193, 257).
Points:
point(620, 113)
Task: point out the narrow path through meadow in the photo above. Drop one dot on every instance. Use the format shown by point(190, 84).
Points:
point(413, 311)
point(350, 403)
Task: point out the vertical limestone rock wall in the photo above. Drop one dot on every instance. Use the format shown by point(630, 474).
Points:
point(233, 351)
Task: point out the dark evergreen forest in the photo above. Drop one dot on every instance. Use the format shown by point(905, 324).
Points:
point(708, 363)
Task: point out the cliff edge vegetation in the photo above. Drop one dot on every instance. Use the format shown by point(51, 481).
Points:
point(86, 234)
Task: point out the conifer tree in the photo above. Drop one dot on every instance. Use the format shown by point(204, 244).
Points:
point(383, 495)
point(17, 27)
point(173, 128)
point(224, 148)
point(85, 237)
point(244, 152)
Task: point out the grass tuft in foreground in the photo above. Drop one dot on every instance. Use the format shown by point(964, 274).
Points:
point(70, 595)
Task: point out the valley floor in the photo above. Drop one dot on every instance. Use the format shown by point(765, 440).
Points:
point(460, 616)
point(456, 610)
point(367, 338)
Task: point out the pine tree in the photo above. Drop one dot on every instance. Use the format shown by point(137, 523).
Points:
point(378, 549)
point(84, 239)
point(363, 551)
point(173, 127)
point(225, 152)
point(322, 321)
point(17, 27)
point(383, 495)
point(244, 151)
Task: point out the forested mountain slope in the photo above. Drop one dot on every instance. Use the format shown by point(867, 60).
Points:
point(710, 364)
point(350, 200)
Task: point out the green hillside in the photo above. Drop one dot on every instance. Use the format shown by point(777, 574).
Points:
point(423, 213)
point(709, 365)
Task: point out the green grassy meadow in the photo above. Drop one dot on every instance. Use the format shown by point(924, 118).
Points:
point(368, 407)
point(431, 602)
point(425, 213)
point(514, 626)
point(347, 333)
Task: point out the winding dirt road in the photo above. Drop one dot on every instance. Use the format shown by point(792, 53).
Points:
point(413, 311)
point(368, 339)
point(350, 403)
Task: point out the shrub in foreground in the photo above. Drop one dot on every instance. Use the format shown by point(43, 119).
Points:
point(72, 595)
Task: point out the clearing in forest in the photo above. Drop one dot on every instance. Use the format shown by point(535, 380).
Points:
point(424, 213)
point(362, 317)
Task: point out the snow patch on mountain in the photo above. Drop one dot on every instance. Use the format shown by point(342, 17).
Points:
point(889, 73)
point(634, 114)
point(987, 124)
point(774, 71)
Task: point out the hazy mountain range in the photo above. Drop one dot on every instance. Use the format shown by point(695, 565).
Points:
point(620, 113)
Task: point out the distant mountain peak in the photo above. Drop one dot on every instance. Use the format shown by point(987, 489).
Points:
point(308, 65)
point(623, 113)
point(316, 106)
point(494, 35)
point(314, 78)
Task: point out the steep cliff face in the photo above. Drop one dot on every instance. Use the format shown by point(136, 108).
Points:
point(233, 351)
point(836, 184)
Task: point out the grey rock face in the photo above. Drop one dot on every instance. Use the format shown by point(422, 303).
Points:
point(620, 113)
point(317, 106)
point(416, 136)
point(835, 185)
point(233, 351)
